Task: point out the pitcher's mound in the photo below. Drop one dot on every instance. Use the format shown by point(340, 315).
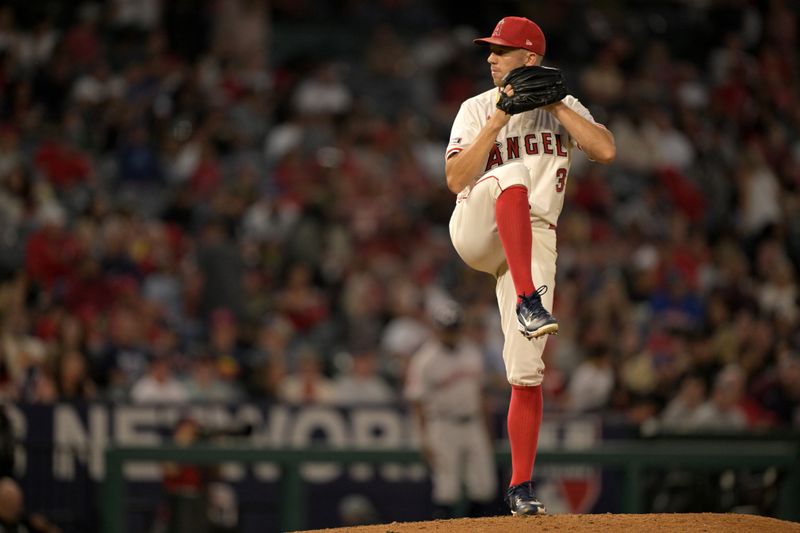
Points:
point(590, 523)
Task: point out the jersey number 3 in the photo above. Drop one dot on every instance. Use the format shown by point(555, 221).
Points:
point(561, 179)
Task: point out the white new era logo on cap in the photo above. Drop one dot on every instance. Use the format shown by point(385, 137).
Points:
point(498, 28)
point(528, 42)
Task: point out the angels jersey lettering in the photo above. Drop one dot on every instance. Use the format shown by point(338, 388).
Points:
point(535, 137)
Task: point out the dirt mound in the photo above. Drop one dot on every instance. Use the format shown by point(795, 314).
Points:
point(590, 523)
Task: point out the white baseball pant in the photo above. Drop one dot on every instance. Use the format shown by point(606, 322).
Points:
point(461, 451)
point(473, 230)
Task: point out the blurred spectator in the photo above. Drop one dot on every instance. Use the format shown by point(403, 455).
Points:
point(360, 384)
point(158, 385)
point(323, 93)
point(51, 249)
point(204, 384)
point(124, 359)
point(779, 295)
point(303, 303)
point(671, 147)
point(406, 330)
point(22, 352)
point(63, 164)
point(758, 194)
point(603, 80)
point(591, 383)
point(308, 384)
point(267, 378)
point(267, 359)
point(224, 346)
point(778, 391)
point(240, 32)
point(72, 379)
point(722, 411)
point(682, 410)
point(221, 266)
point(13, 519)
point(195, 498)
point(137, 160)
point(82, 42)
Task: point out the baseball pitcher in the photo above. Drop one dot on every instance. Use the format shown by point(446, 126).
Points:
point(508, 161)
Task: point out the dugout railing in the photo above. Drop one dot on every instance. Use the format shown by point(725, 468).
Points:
point(633, 458)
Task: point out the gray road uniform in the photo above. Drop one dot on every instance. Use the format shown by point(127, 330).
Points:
point(447, 384)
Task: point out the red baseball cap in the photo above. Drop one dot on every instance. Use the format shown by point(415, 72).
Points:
point(517, 32)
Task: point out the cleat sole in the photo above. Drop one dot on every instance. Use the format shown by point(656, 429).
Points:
point(538, 512)
point(549, 329)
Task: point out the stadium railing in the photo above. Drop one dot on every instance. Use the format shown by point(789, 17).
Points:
point(632, 457)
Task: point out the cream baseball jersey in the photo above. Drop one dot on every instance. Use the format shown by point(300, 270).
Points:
point(535, 137)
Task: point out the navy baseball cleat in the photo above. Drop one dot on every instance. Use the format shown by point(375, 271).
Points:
point(533, 319)
point(521, 500)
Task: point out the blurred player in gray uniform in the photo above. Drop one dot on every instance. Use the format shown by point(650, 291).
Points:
point(445, 387)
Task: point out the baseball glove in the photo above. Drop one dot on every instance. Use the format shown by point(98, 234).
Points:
point(533, 87)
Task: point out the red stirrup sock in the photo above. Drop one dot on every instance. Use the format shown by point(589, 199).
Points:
point(524, 420)
point(513, 217)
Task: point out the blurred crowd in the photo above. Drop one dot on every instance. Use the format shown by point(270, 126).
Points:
point(235, 200)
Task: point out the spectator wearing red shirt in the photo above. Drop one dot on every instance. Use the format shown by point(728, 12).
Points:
point(52, 252)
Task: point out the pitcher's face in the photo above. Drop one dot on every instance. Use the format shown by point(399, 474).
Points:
point(504, 59)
